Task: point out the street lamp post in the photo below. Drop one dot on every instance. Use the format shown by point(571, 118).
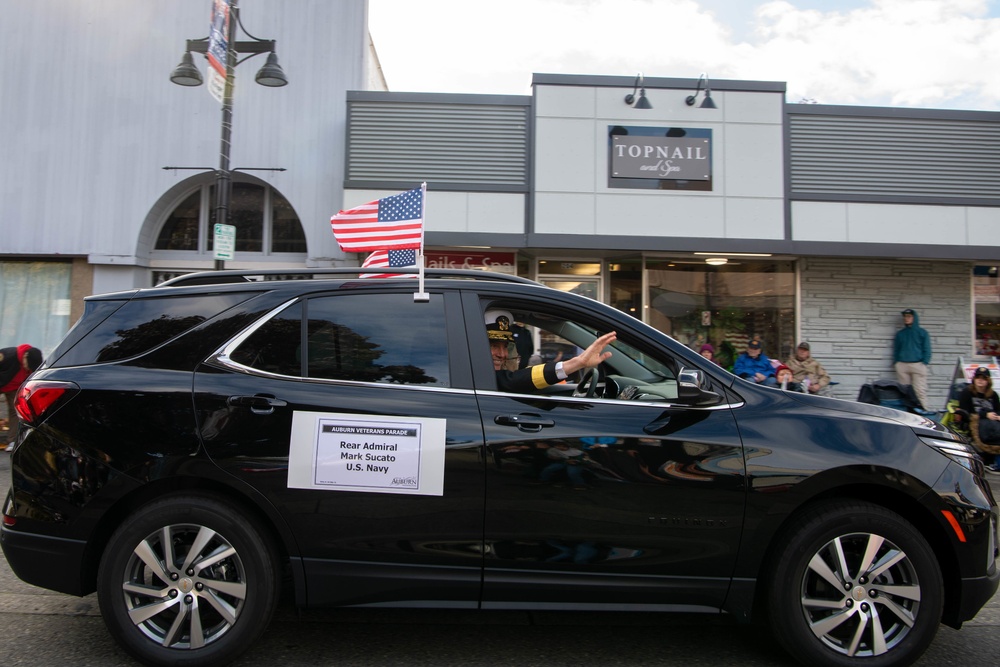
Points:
point(270, 74)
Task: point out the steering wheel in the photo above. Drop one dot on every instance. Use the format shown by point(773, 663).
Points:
point(591, 378)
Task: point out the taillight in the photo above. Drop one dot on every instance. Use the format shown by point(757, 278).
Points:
point(36, 397)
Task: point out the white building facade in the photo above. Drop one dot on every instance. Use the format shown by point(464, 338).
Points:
point(89, 119)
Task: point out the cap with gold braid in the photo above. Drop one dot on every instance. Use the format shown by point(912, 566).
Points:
point(498, 323)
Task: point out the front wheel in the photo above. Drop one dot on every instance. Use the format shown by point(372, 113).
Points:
point(187, 581)
point(855, 584)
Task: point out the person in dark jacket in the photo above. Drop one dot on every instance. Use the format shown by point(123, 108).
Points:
point(539, 376)
point(977, 402)
point(16, 364)
point(911, 354)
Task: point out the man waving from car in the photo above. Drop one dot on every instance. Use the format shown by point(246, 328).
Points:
point(539, 376)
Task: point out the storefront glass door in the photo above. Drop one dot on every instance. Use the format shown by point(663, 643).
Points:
point(724, 306)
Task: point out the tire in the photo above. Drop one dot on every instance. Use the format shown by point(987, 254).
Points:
point(187, 580)
point(825, 617)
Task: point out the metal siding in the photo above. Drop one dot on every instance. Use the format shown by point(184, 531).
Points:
point(84, 152)
point(440, 143)
point(904, 157)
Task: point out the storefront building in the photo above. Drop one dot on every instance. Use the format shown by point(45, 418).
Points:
point(756, 218)
point(750, 217)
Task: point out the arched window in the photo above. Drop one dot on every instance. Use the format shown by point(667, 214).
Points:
point(265, 222)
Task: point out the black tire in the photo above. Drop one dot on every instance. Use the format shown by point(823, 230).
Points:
point(825, 617)
point(203, 600)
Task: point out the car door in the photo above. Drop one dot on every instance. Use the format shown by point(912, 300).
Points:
point(361, 531)
point(604, 500)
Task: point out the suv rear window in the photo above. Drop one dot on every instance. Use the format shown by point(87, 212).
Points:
point(365, 338)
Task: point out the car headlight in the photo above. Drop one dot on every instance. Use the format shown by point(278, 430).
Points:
point(959, 452)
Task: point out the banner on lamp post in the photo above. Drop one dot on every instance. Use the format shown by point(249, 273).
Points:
point(216, 85)
point(218, 48)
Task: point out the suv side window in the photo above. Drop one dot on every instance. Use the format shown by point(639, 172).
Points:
point(141, 324)
point(541, 336)
point(385, 338)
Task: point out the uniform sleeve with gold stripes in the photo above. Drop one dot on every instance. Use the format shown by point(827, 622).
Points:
point(527, 380)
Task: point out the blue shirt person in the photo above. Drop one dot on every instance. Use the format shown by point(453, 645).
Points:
point(754, 365)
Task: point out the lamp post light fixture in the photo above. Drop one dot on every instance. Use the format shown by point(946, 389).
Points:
point(270, 75)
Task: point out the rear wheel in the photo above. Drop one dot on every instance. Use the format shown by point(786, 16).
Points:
point(187, 581)
point(856, 584)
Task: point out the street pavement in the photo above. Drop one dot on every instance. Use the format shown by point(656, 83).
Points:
point(42, 628)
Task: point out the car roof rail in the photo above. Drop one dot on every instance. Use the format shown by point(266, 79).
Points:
point(266, 275)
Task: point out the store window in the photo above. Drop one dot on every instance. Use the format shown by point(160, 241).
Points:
point(625, 286)
point(35, 302)
point(986, 291)
point(265, 222)
point(724, 306)
point(578, 277)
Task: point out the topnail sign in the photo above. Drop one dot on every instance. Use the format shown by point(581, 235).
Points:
point(660, 157)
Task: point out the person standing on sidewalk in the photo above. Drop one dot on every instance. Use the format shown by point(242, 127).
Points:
point(911, 354)
point(16, 364)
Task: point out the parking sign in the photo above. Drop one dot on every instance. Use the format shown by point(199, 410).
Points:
point(224, 242)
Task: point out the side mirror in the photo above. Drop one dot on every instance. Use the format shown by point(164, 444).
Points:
point(689, 384)
point(690, 389)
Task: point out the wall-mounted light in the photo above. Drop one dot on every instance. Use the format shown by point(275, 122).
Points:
point(716, 261)
point(707, 103)
point(641, 102)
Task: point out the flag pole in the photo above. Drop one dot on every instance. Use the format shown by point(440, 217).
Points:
point(421, 295)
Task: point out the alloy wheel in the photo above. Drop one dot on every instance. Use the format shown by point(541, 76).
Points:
point(860, 594)
point(184, 586)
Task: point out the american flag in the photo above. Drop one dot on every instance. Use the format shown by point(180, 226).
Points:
point(392, 223)
point(389, 259)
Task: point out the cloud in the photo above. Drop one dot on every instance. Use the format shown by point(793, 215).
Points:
point(892, 52)
point(473, 47)
point(926, 53)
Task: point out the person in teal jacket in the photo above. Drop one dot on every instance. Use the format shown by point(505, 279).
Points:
point(911, 354)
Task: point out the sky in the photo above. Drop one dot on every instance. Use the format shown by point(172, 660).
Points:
point(937, 54)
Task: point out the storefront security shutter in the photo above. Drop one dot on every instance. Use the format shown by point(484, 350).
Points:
point(894, 157)
point(478, 146)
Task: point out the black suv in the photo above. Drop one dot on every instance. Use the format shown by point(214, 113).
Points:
point(188, 447)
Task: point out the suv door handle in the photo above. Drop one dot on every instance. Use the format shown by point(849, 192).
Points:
point(526, 423)
point(259, 404)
